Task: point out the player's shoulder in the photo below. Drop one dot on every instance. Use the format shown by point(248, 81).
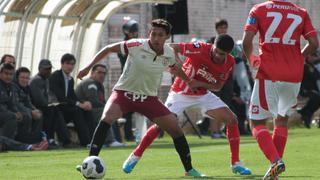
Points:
point(230, 60)
point(136, 42)
point(168, 50)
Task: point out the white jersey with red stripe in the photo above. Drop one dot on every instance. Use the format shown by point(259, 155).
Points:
point(143, 70)
point(200, 66)
point(280, 25)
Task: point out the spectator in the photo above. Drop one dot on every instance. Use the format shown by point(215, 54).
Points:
point(130, 30)
point(47, 102)
point(92, 90)
point(8, 59)
point(310, 89)
point(30, 128)
point(73, 110)
point(9, 115)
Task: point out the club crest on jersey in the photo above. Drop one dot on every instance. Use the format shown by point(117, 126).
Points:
point(133, 44)
point(196, 45)
point(254, 109)
point(165, 62)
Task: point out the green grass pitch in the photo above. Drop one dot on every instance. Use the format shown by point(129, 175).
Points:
point(209, 156)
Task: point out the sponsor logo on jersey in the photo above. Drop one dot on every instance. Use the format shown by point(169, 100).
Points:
point(192, 52)
point(206, 75)
point(133, 44)
point(251, 20)
point(255, 109)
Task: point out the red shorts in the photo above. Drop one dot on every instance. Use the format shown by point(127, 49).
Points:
point(149, 106)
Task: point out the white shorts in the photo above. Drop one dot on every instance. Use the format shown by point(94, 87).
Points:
point(272, 98)
point(177, 103)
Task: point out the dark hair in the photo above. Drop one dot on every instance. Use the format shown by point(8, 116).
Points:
point(5, 56)
point(224, 42)
point(6, 67)
point(162, 24)
point(221, 22)
point(22, 70)
point(96, 66)
point(67, 58)
point(130, 26)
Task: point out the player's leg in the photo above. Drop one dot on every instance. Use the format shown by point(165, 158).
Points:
point(264, 104)
point(288, 93)
point(224, 114)
point(111, 112)
point(169, 123)
point(173, 103)
point(146, 141)
point(280, 134)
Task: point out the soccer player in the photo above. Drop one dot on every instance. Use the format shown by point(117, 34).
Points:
point(136, 90)
point(208, 66)
point(280, 25)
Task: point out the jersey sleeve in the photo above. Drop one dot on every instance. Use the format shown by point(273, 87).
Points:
point(127, 47)
point(308, 30)
point(189, 49)
point(252, 21)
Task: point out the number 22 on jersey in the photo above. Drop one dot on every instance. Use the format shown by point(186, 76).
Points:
point(277, 18)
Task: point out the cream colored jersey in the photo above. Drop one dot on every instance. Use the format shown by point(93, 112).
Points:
point(143, 70)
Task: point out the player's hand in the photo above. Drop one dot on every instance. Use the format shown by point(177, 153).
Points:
point(83, 73)
point(19, 116)
point(86, 106)
point(36, 114)
point(193, 84)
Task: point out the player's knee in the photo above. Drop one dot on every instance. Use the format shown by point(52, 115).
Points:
point(231, 119)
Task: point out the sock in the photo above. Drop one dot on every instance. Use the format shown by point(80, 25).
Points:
point(265, 142)
point(234, 142)
point(279, 138)
point(182, 147)
point(146, 140)
point(98, 138)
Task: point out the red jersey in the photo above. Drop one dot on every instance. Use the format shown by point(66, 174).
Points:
point(200, 66)
point(280, 25)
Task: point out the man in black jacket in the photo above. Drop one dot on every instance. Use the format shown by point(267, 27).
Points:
point(9, 115)
point(62, 85)
point(44, 100)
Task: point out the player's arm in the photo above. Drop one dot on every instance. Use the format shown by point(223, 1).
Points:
point(112, 48)
point(311, 47)
point(247, 43)
point(176, 47)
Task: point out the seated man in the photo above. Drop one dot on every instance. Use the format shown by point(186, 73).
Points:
point(92, 90)
point(30, 128)
point(73, 110)
point(44, 100)
point(9, 115)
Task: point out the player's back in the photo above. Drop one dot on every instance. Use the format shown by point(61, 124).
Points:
point(280, 25)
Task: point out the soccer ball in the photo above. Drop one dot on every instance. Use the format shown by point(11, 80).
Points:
point(93, 167)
